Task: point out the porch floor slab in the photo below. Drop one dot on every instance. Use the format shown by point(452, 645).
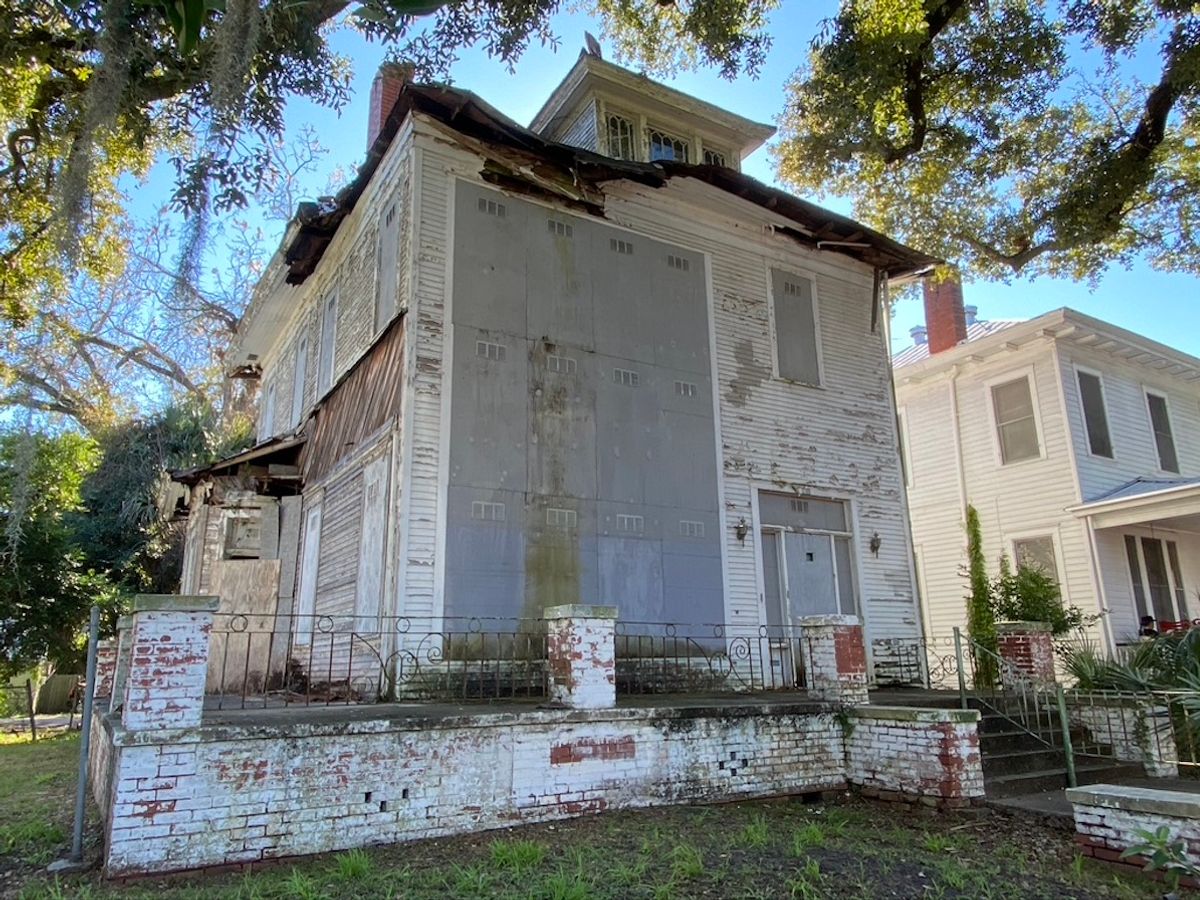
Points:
point(234, 714)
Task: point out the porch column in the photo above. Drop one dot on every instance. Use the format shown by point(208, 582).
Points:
point(582, 656)
point(1027, 649)
point(835, 658)
point(169, 661)
point(106, 664)
point(124, 654)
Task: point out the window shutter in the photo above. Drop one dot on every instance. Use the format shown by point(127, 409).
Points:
point(796, 328)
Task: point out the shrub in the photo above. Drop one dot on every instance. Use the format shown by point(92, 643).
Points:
point(1030, 595)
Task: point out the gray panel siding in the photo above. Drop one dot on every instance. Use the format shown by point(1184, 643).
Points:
point(567, 350)
point(582, 132)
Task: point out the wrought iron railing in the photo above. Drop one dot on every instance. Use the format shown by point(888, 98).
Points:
point(672, 658)
point(263, 661)
point(267, 661)
point(1157, 729)
point(915, 662)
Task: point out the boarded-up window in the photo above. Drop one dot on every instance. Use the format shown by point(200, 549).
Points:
point(306, 603)
point(1164, 438)
point(796, 339)
point(266, 422)
point(1037, 553)
point(808, 513)
point(371, 547)
point(1095, 417)
point(389, 249)
point(1016, 426)
point(328, 338)
point(299, 375)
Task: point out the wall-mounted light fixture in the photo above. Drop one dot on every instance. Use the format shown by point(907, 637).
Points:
point(876, 543)
point(741, 529)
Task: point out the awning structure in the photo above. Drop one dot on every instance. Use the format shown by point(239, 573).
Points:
point(1172, 503)
point(272, 464)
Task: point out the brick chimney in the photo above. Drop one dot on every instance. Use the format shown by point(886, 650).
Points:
point(945, 318)
point(385, 91)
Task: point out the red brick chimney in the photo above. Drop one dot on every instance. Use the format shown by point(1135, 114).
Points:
point(945, 319)
point(385, 91)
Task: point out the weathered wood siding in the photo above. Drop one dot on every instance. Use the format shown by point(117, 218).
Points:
point(582, 131)
point(838, 440)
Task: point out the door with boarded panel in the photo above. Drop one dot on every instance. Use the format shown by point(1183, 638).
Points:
point(812, 585)
point(306, 602)
point(369, 596)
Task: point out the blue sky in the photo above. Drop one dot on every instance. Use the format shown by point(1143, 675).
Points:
point(1159, 305)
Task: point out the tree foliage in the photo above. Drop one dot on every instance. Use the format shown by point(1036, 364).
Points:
point(93, 90)
point(46, 586)
point(1008, 135)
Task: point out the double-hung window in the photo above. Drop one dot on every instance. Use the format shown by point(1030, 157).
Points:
point(328, 339)
point(1095, 415)
point(1164, 437)
point(1016, 421)
point(1037, 553)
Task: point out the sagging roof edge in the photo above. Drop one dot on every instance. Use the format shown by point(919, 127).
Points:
point(468, 114)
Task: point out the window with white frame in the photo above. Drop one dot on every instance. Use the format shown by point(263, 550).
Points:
point(1164, 437)
point(797, 345)
point(1095, 415)
point(714, 158)
point(620, 136)
point(1036, 553)
point(1016, 421)
point(664, 146)
point(266, 422)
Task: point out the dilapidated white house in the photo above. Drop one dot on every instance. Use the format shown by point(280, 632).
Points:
point(1078, 442)
point(585, 361)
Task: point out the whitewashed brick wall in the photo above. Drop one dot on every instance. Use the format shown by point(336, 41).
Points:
point(897, 753)
point(1110, 819)
point(243, 793)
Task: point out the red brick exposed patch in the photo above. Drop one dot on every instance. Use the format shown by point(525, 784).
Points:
point(849, 650)
point(585, 748)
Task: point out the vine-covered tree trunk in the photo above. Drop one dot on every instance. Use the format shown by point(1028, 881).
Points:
point(981, 624)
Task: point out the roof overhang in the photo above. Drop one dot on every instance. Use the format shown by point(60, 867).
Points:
point(1176, 506)
point(277, 450)
point(1069, 327)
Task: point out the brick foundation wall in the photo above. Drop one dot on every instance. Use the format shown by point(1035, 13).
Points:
point(929, 755)
point(1108, 819)
point(221, 795)
point(835, 659)
point(1137, 731)
point(1027, 649)
point(269, 784)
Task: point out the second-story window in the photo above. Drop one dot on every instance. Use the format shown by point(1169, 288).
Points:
point(1095, 416)
point(664, 146)
point(621, 144)
point(1164, 437)
point(299, 376)
point(1016, 423)
point(797, 334)
point(328, 339)
point(714, 158)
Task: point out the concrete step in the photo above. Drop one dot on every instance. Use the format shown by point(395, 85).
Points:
point(1012, 740)
point(1016, 762)
point(1055, 778)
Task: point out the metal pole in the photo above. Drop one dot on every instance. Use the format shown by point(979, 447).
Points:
point(962, 675)
point(1065, 725)
point(32, 717)
point(85, 738)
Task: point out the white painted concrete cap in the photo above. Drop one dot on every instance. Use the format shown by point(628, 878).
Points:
point(1183, 804)
point(825, 621)
point(579, 611)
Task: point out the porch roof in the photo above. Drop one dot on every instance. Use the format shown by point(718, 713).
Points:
point(1165, 502)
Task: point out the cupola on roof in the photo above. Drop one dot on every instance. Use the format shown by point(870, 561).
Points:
point(610, 110)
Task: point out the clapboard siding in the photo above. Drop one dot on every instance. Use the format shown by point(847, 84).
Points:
point(582, 132)
point(1017, 500)
point(1134, 450)
point(341, 518)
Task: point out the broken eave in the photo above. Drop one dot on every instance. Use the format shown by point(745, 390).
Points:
point(517, 159)
point(273, 464)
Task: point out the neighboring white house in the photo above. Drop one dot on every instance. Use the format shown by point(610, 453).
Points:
point(1079, 445)
point(588, 361)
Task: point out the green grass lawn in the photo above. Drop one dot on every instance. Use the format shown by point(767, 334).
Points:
point(744, 850)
